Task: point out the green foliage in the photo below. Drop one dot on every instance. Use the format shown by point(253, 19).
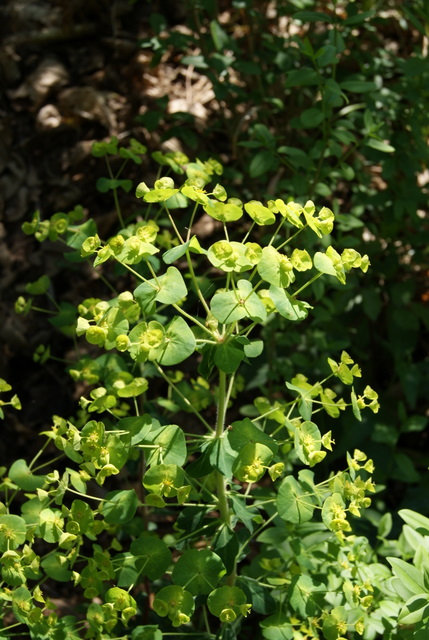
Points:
point(188, 501)
point(325, 100)
point(223, 520)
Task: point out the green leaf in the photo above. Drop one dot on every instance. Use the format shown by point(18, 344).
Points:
point(21, 604)
point(21, 475)
point(223, 211)
point(169, 445)
point(175, 253)
point(171, 287)
point(311, 16)
point(220, 37)
point(325, 264)
point(243, 432)
point(56, 567)
point(39, 286)
point(358, 86)
point(254, 348)
point(226, 598)
point(137, 427)
point(416, 520)
point(179, 343)
point(252, 462)
point(159, 195)
point(173, 601)
point(221, 456)
point(51, 524)
point(81, 513)
point(103, 185)
point(146, 632)
point(101, 149)
point(311, 118)
point(275, 268)
point(288, 306)
point(415, 610)
point(384, 525)
point(13, 530)
point(164, 479)
point(119, 598)
point(259, 213)
point(151, 558)
point(229, 355)
point(119, 507)
point(355, 406)
point(231, 306)
point(198, 62)
point(277, 627)
point(198, 570)
point(302, 77)
point(410, 577)
point(307, 442)
point(226, 544)
point(262, 162)
point(294, 504)
point(379, 145)
point(306, 597)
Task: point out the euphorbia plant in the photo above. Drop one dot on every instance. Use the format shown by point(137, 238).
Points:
point(250, 529)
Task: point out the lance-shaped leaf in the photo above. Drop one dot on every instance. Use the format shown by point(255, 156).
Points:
point(294, 504)
point(198, 570)
point(410, 577)
point(415, 610)
point(243, 302)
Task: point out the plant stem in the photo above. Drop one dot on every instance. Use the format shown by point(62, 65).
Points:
point(191, 318)
point(195, 283)
point(220, 478)
point(307, 284)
